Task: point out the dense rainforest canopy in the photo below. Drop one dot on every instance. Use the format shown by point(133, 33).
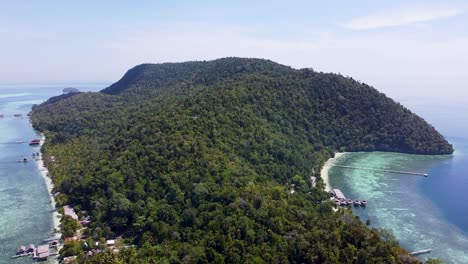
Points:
point(195, 162)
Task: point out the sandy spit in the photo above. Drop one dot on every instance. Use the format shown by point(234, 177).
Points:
point(326, 167)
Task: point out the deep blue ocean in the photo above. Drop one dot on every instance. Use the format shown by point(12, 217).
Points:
point(25, 205)
point(421, 212)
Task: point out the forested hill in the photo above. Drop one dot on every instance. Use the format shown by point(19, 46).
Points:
point(349, 105)
point(196, 161)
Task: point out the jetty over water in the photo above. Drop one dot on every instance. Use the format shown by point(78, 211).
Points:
point(383, 170)
point(339, 194)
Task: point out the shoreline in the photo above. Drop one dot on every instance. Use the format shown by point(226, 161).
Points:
point(50, 185)
point(326, 167)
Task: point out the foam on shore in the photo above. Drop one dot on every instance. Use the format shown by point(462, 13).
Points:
point(50, 185)
point(326, 167)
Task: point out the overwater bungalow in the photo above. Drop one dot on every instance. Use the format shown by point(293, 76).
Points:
point(42, 252)
point(21, 250)
point(31, 248)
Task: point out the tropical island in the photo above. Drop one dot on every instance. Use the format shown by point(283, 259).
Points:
point(195, 162)
point(70, 90)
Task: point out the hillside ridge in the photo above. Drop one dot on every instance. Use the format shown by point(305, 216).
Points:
point(202, 162)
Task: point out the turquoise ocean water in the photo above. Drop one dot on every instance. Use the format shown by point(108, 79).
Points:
point(422, 212)
point(25, 208)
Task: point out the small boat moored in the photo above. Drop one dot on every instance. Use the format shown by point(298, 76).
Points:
point(363, 203)
point(422, 251)
point(357, 203)
point(35, 141)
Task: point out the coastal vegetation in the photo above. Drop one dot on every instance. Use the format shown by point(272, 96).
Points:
point(195, 162)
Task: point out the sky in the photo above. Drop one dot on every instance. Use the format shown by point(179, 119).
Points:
point(402, 48)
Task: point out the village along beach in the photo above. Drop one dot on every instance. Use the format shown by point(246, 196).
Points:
point(26, 210)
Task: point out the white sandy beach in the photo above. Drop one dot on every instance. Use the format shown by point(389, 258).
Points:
point(326, 168)
point(45, 174)
point(55, 215)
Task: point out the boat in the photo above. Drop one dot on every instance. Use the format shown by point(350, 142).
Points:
point(349, 202)
point(422, 251)
point(343, 202)
point(35, 141)
point(357, 203)
point(17, 115)
point(363, 203)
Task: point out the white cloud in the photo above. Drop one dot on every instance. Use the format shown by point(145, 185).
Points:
point(400, 18)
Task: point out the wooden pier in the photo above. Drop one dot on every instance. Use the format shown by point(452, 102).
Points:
point(42, 252)
point(383, 170)
point(339, 194)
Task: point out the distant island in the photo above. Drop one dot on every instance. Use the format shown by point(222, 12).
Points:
point(70, 90)
point(211, 161)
